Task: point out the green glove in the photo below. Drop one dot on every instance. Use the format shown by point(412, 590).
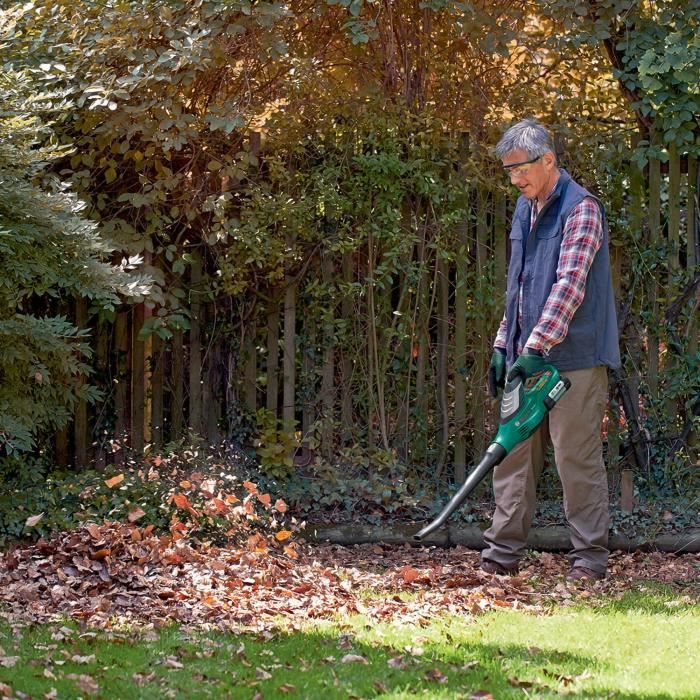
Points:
point(529, 363)
point(497, 372)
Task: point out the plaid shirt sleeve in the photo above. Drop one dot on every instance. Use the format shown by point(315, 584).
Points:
point(581, 239)
point(502, 334)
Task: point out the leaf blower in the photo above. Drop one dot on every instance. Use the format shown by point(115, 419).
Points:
point(523, 408)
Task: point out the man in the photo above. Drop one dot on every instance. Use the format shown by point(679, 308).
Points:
point(560, 310)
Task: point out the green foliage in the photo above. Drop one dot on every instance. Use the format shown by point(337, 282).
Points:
point(274, 444)
point(48, 252)
point(654, 48)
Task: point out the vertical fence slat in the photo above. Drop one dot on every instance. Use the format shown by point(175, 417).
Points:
point(328, 367)
point(692, 243)
point(443, 343)
point(250, 369)
point(273, 353)
point(289, 354)
point(481, 331)
point(80, 425)
point(653, 286)
point(346, 368)
point(122, 424)
point(157, 391)
point(460, 334)
point(195, 345)
point(674, 211)
point(138, 378)
point(177, 383)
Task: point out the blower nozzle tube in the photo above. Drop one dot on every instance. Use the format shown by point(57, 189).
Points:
point(493, 456)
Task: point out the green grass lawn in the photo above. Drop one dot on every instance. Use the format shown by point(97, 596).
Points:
point(642, 646)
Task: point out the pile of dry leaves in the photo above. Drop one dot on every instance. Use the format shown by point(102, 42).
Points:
point(115, 573)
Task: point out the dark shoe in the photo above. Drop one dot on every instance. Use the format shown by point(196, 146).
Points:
point(581, 573)
point(493, 567)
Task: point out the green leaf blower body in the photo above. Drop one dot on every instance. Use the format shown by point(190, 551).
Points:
point(523, 408)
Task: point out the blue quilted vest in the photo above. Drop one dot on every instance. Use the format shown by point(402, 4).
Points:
point(592, 339)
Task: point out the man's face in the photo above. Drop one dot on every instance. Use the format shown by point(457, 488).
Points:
point(533, 177)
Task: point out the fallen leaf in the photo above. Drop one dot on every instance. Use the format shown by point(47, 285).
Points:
point(135, 514)
point(85, 683)
point(516, 682)
point(287, 687)
point(77, 659)
point(283, 535)
point(8, 661)
point(435, 674)
point(353, 659)
point(408, 574)
point(111, 483)
point(33, 520)
point(280, 506)
point(262, 675)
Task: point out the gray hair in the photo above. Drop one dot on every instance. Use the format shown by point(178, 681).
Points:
point(527, 135)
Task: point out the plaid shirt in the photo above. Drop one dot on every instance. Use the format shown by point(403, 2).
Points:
point(581, 239)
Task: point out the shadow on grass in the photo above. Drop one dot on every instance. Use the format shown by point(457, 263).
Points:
point(177, 663)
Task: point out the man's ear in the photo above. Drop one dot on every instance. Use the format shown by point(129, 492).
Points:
point(549, 159)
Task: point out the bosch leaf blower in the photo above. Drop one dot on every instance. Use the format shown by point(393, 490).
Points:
point(522, 411)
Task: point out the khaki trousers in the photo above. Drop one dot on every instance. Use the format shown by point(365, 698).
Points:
point(574, 427)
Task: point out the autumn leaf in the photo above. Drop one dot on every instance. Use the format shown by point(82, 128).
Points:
point(250, 486)
point(135, 514)
point(264, 498)
point(181, 501)
point(111, 483)
point(290, 551)
point(283, 535)
point(435, 674)
point(280, 506)
point(353, 659)
point(33, 520)
point(94, 530)
point(409, 574)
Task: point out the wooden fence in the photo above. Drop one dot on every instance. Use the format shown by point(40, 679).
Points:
point(423, 394)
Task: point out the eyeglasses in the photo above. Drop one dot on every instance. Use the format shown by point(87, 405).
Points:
point(520, 169)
